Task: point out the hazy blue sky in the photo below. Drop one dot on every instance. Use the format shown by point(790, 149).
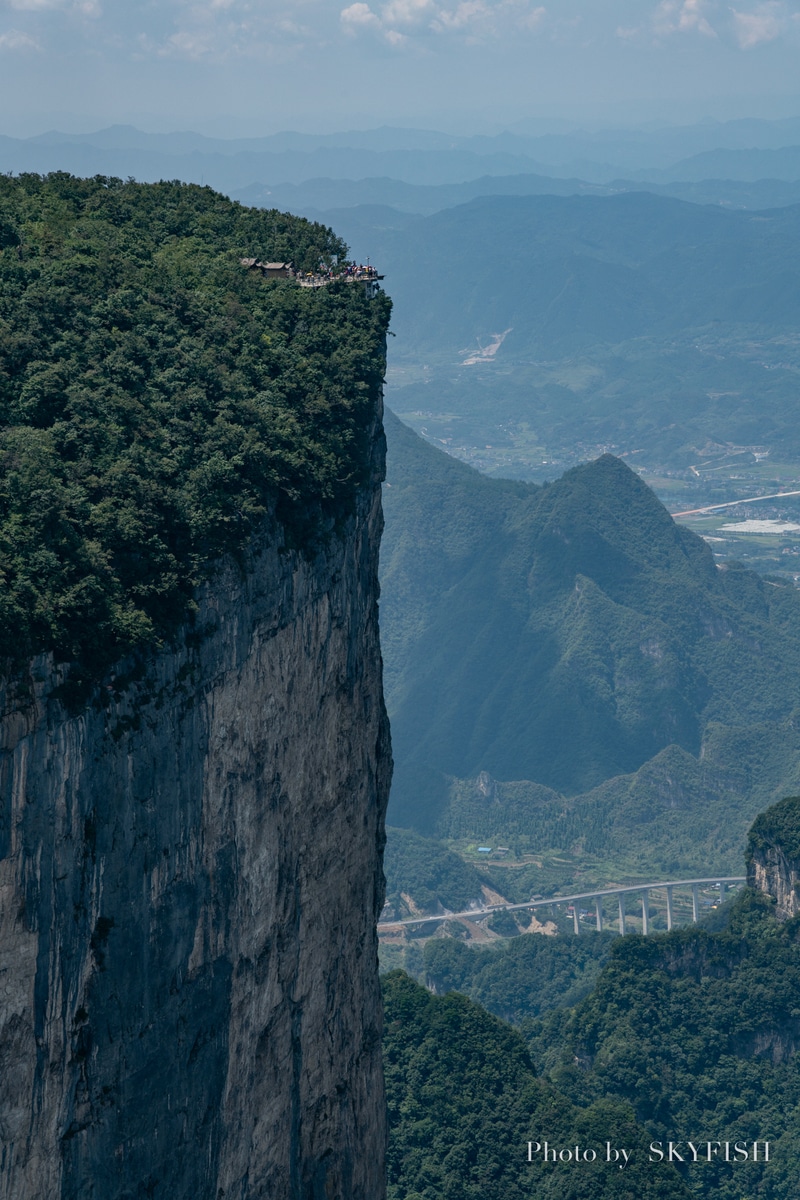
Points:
point(261, 65)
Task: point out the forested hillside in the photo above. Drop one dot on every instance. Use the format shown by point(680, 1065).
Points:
point(697, 1030)
point(436, 878)
point(464, 1101)
point(157, 400)
point(519, 978)
point(567, 272)
point(576, 642)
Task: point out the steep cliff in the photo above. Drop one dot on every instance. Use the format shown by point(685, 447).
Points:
point(773, 856)
point(190, 859)
point(190, 880)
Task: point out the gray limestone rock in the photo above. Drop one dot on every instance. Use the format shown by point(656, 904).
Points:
point(773, 856)
point(190, 875)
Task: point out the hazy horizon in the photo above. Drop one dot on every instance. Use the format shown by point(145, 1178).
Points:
point(238, 68)
point(230, 127)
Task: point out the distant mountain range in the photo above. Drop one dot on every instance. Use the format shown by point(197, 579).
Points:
point(743, 164)
point(568, 272)
point(228, 167)
point(532, 332)
point(572, 161)
point(329, 199)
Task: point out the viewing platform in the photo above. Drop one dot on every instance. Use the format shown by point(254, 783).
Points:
point(366, 275)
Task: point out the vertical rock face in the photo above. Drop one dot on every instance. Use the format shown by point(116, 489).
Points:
point(773, 856)
point(189, 882)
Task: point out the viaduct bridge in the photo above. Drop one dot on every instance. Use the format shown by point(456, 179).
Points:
point(642, 890)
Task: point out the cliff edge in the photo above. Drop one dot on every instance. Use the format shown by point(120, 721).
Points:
point(773, 855)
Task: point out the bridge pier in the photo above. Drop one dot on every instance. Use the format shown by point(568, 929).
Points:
point(558, 905)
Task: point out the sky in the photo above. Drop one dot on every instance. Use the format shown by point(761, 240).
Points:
point(249, 67)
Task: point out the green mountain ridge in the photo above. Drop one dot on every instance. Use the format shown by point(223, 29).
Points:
point(677, 813)
point(566, 273)
point(693, 1032)
point(573, 636)
point(696, 1031)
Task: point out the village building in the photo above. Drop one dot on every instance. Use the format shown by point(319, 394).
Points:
point(270, 270)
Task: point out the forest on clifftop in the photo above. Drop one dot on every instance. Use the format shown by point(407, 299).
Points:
point(157, 400)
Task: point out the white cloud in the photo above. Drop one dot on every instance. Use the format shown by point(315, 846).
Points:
point(85, 8)
point(292, 29)
point(682, 16)
point(33, 5)
point(397, 21)
point(767, 22)
point(188, 44)
point(15, 39)
point(533, 18)
point(408, 12)
point(464, 15)
point(221, 30)
point(360, 16)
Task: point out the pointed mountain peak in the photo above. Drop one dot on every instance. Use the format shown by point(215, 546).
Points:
point(611, 526)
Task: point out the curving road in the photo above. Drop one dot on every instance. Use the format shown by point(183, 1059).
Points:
point(693, 512)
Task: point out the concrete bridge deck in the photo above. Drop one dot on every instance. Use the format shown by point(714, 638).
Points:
point(596, 896)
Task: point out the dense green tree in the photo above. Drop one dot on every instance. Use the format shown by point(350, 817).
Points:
point(463, 1102)
point(778, 826)
point(697, 1030)
point(432, 875)
point(158, 401)
point(520, 978)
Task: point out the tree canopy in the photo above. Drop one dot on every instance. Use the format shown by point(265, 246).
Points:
point(158, 400)
point(464, 1100)
point(779, 825)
